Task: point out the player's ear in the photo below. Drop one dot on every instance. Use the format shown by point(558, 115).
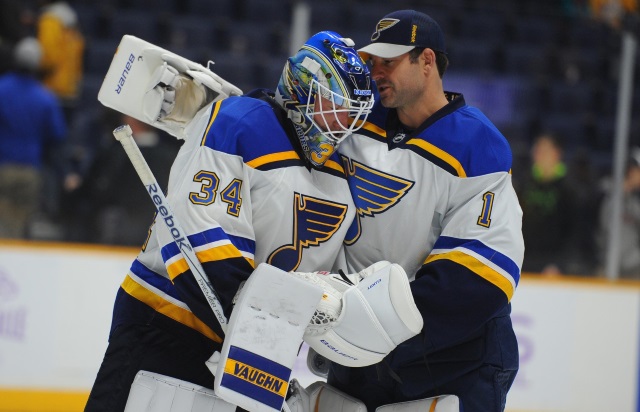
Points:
point(428, 56)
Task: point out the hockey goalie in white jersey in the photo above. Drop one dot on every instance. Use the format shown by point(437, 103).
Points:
point(257, 180)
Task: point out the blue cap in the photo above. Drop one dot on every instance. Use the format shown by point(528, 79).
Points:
point(402, 31)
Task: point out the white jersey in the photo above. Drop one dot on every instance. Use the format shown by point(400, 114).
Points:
point(438, 201)
point(244, 194)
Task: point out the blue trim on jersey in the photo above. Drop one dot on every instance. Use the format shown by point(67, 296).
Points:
point(449, 243)
point(460, 131)
point(154, 279)
point(243, 244)
point(248, 127)
point(212, 235)
point(468, 136)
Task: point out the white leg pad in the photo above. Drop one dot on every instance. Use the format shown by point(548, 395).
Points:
point(152, 392)
point(442, 403)
point(325, 398)
point(263, 338)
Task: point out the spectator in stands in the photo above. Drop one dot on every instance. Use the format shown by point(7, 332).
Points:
point(31, 126)
point(14, 25)
point(63, 51)
point(120, 206)
point(630, 228)
point(547, 203)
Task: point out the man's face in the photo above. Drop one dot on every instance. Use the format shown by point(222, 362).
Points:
point(330, 117)
point(400, 82)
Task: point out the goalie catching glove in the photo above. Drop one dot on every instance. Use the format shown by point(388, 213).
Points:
point(364, 316)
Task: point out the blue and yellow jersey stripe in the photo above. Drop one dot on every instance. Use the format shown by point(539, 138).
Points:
point(158, 292)
point(480, 259)
point(210, 246)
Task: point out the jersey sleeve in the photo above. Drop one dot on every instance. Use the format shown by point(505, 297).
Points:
point(210, 196)
point(474, 267)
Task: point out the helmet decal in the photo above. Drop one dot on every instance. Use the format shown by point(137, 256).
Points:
point(326, 89)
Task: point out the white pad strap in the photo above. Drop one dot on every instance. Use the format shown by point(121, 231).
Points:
point(376, 315)
point(152, 392)
point(326, 398)
point(442, 403)
point(263, 338)
point(322, 397)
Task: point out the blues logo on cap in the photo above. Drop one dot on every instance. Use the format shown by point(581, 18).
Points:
point(401, 31)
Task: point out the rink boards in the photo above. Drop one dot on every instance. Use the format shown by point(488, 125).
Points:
point(578, 338)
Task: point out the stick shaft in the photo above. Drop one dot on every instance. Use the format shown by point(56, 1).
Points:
point(125, 136)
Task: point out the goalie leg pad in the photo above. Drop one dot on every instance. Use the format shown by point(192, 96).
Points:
point(325, 398)
point(322, 397)
point(442, 403)
point(263, 337)
point(152, 392)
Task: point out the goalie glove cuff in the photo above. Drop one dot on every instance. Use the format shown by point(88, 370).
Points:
point(160, 99)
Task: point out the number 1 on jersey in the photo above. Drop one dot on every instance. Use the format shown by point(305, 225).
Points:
point(487, 204)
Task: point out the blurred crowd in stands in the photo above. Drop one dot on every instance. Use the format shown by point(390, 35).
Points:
point(552, 66)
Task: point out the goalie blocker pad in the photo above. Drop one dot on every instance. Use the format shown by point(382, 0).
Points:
point(153, 392)
point(263, 337)
point(132, 78)
point(377, 315)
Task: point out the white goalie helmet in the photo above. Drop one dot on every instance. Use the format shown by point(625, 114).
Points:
point(329, 66)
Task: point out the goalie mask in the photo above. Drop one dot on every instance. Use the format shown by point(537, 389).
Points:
point(326, 90)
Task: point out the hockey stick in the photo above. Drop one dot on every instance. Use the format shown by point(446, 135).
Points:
point(124, 135)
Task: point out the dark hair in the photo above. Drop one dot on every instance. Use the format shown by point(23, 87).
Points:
point(442, 61)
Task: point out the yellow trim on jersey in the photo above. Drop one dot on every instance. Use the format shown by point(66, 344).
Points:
point(177, 268)
point(211, 255)
point(289, 155)
point(42, 400)
point(375, 129)
point(273, 157)
point(167, 308)
point(440, 154)
point(330, 164)
point(216, 109)
point(222, 253)
point(478, 268)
